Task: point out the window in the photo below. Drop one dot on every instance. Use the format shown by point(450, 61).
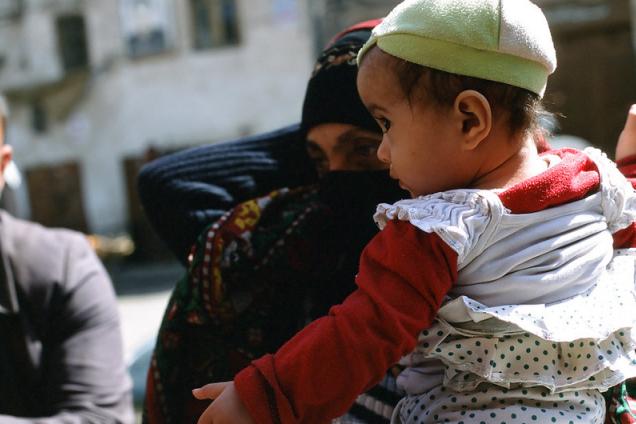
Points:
point(71, 37)
point(39, 119)
point(11, 9)
point(214, 23)
point(147, 26)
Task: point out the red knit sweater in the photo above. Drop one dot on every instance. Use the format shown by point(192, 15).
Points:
point(404, 275)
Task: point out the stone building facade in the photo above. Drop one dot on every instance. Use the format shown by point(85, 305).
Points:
point(93, 85)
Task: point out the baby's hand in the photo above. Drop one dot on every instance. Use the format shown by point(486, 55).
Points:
point(226, 408)
point(626, 145)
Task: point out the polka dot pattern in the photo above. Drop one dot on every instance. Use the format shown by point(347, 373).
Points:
point(562, 377)
point(526, 358)
point(496, 347)
point(493, 404)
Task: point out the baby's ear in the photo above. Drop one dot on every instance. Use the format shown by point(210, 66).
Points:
point(475, 117)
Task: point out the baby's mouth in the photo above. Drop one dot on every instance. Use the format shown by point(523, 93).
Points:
point(391, 174)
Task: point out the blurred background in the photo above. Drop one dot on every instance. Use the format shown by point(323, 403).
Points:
point(98, 88)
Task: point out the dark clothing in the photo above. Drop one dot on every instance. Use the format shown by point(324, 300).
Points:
point(184, 192)
point(61, 357)
point(257, 276)
point(276, 260)
point(332, 95)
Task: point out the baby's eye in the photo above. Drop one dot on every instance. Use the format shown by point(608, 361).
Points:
point(385, 124)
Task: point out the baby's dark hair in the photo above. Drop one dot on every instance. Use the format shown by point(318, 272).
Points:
point(525, 109)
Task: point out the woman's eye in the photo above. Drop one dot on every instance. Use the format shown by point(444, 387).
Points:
point(319, 161)
point(316, 155)
point(367, 150)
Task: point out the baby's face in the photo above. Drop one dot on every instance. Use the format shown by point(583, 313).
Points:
point(420, 143)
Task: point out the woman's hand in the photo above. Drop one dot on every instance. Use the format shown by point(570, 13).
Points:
point(626, 145)
point(226, 408)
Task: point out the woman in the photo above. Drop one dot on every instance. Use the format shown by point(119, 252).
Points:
point(269, 265)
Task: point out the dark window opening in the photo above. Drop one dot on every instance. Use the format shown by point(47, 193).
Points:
point(39, 118)
point(147, 43)
point(71, 36)
point(55, 196)
point(214, 23)
point(11, 9)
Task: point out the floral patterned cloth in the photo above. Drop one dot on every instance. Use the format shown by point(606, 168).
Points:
point(621, 403)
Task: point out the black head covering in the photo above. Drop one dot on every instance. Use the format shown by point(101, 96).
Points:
point(332, 96)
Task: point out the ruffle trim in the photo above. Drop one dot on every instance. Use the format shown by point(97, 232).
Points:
point(464, 217)
point(584, 342)
point(527, 360)
point(459, 217)
point(619, 198)
point(608, 306)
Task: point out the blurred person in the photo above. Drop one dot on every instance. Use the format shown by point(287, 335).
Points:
point(621, 399)
point(626, 146)
point(262, 270)
point(61, 358)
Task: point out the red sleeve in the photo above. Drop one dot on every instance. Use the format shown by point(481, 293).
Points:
point(627, 237)
point(628, 167)
point(404, 275)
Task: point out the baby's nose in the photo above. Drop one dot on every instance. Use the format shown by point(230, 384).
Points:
point(384, 152)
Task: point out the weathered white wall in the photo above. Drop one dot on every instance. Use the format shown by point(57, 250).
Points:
point(179, 98)
point(29, 51)
point(330, 17)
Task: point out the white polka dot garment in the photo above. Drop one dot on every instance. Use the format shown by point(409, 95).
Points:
point(542, 317)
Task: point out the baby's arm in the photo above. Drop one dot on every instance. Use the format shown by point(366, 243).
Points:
point(626, 145)
point(404, 275)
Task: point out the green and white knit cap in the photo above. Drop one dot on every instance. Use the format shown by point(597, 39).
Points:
point(507, 41)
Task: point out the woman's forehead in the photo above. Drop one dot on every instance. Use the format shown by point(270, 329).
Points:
point(339, 131)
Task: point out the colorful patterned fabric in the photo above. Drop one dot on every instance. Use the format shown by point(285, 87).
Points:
point(621, 403)
point(255, 278)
